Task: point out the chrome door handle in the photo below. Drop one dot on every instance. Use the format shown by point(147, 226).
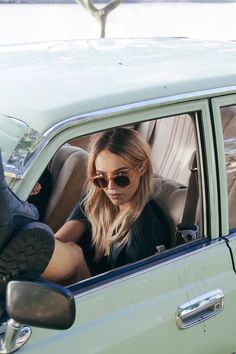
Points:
point(199, 309)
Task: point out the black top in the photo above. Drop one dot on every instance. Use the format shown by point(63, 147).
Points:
point(147, 232)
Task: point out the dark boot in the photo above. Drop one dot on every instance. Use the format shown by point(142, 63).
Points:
point(14, 213)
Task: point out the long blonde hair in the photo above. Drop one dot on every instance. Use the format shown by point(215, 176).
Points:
point(109, 225)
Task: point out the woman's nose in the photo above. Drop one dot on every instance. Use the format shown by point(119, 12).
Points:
point(111, 184)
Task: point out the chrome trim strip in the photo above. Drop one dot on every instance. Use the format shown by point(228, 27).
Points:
point(70, 122)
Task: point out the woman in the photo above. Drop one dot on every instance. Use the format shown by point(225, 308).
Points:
point(116, 216)
point(116, 223)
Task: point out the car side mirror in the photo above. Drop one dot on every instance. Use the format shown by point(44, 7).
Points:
point(36, 303)
point(41, 304)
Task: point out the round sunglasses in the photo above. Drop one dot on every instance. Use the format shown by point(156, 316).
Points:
point(121, 179)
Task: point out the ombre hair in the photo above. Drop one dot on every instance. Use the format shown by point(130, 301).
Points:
point(110, 226)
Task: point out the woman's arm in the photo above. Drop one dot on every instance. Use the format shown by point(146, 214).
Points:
point(71, 231)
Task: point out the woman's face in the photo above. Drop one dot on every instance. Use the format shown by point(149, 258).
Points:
point(109, 164)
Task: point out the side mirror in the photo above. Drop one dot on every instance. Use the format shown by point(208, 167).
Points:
point(40, 304)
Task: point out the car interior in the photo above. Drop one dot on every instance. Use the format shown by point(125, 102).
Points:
point(173, 145)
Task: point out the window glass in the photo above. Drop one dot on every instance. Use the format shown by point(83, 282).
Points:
point(228, 116)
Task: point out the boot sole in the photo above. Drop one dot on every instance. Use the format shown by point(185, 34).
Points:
point(28, 253)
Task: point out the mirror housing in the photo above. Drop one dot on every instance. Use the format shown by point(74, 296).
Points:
point(40, 304)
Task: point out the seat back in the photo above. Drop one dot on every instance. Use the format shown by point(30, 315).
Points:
point(170, 197)
point(172, 142)
point(68, 172)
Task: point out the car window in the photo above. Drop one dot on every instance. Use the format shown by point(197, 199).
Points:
point(228, 117)
point(174, 149)
point(175, 156)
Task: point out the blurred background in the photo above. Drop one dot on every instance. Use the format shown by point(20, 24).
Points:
point(27, 21)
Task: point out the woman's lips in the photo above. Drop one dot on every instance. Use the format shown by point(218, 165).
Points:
point(115, 196)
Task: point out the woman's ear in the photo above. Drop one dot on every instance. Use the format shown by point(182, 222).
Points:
point(143, 167)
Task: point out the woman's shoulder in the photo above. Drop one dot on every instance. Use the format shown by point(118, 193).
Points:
point(152, 209)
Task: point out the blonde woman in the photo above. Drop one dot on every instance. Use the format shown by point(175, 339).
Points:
point(115, 224)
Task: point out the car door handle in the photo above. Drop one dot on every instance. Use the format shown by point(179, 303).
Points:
point(199, 309)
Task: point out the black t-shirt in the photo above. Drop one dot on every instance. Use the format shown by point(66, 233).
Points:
point(147, 232)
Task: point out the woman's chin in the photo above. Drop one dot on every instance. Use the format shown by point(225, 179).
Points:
point(116, 201)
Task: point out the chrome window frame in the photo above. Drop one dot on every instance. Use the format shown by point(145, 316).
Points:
point(102, 120)
point(217, 103)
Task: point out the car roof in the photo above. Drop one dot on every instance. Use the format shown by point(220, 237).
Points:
point(45, 83)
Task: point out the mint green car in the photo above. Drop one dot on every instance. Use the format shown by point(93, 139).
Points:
point(180, 95)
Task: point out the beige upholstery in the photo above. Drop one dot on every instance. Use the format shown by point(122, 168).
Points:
point(68, 171)
point(82, 142)
point(229, 128)
point(170, 196)
point(172, 142)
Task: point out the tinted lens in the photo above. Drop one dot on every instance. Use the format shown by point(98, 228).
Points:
point(100, 182)
point(122, 181)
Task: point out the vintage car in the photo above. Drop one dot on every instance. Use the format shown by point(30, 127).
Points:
point(180, 94)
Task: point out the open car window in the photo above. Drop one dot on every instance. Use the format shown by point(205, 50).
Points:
point(175, 156)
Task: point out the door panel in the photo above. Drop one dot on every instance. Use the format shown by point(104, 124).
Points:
point(137, 314)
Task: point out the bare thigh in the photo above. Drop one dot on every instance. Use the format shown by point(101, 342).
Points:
point(67, 263)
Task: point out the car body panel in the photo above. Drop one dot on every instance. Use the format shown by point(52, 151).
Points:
point(137, 313)
point(68, 89)
point(8, 140)
point(51, 81)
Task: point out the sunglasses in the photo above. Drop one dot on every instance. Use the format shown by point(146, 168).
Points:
point(121, 179)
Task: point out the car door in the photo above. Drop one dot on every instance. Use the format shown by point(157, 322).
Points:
point(179, 301)
point(136, 312)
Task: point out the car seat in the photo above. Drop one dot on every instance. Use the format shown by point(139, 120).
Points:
point(180, 204)
point(68, 172)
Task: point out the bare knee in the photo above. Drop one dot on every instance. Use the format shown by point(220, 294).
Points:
point(75, 249)
point(67, 262)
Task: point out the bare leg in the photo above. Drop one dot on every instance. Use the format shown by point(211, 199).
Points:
point(71, 231)
point(67, 263)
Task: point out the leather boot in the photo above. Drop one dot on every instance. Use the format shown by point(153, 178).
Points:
point(14, 213)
